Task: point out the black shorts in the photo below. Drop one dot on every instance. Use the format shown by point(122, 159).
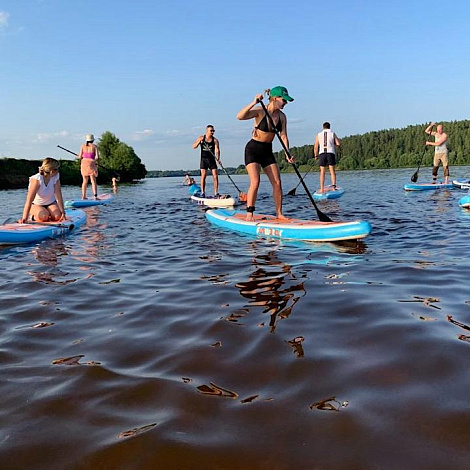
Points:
point(208, 163)
point(327, 159)
point(47, 205)
point(259, 152)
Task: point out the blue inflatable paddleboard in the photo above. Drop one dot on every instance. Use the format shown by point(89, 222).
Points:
point(465, 202)
point(330, 192)
point(427, 186)
point(16, 234)
point(102, 199)
point(291, 229)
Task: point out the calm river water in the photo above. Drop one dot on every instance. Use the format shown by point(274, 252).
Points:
point(149, 339)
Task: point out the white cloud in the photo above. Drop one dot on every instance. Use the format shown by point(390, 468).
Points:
point(46, 136)
point(145, 132)
point(140, 136)
point(4, 16)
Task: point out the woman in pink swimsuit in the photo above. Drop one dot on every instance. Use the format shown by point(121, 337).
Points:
point(89, 156)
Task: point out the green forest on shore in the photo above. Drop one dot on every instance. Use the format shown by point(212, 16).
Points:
point(116, 158)
point(389, 148)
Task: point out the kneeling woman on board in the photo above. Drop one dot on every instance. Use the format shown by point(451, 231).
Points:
point(259, 150)
point(44, 201)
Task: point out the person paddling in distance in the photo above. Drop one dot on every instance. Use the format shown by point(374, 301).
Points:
point(188, 180)
point(441, 153)
point(44, 201)
point(259, 150)
point(88, 157)
point(210, 151)
point(324, 149)
point(115, 180)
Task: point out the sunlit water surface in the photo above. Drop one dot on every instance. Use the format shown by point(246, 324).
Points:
point(150, 339)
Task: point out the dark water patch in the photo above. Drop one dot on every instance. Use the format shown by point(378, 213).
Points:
point(185, 346)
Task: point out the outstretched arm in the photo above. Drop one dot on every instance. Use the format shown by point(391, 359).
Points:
point(284, 137)
point(59, 199)
point(32, 191)
point(438, 142)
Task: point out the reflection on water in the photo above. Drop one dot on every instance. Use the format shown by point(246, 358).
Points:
point(271, 286)
point(48, 269)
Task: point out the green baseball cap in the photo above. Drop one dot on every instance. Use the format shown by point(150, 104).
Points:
point(280, 91)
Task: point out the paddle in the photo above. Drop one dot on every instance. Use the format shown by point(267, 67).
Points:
point(101, 166)
point(241, 195)
point(292, 191)
point(321, 216)
point(414, 178)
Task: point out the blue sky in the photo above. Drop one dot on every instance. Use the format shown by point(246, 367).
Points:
point(156, 72)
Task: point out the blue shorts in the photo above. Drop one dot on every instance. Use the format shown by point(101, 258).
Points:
point(325, 159)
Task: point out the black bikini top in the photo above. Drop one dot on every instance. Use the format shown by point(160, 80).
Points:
point(264, 126)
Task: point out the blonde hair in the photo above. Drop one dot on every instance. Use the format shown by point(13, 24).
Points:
point(268, 94)
point(49, 164)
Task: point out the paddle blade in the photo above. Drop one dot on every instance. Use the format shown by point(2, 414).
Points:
point(323, 217)
point(291, 192)
point(242, 197)
point(414, 178)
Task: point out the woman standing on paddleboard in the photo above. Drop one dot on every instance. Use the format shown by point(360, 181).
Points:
point(259, 150)
point(88, 157)
point(44, 201)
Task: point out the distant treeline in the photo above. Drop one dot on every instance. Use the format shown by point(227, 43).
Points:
point(182, 173)
point(391, 148)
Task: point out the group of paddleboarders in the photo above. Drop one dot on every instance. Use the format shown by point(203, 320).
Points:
point(259, 150)
point(270, 121)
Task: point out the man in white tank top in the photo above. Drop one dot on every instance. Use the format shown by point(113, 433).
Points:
point(441, 153)
point(324, 149)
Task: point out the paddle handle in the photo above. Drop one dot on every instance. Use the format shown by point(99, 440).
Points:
point(67, 150)
point(323, 217)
